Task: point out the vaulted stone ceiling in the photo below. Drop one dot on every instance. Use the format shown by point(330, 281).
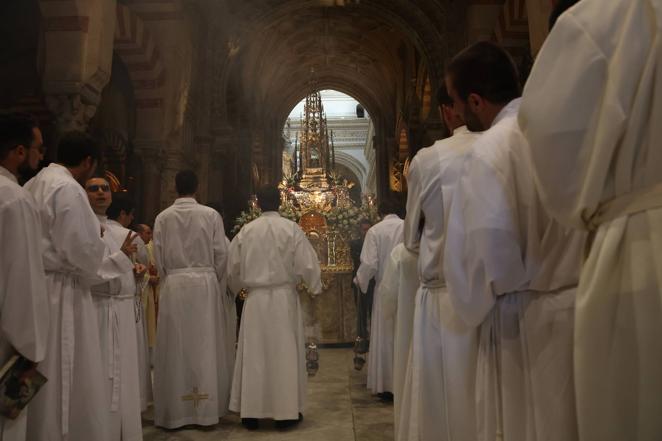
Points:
point(279, 49)
point(268, 54)
point(358, 49)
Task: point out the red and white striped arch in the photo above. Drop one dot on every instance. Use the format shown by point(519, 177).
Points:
point(136, 46)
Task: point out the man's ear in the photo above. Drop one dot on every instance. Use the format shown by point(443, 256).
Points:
point(446, 112)
point(474, 101)
point(20, 150)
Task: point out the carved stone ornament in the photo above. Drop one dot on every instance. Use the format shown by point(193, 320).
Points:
point(70, 112)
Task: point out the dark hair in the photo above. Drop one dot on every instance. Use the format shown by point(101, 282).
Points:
point(485, 69)
point(186, 182)
point(139, 228)
point(443, 98)
point(388, 206)
point(268, 198)
point(121, 203)
point(75, 147)
point(560, 8)
point(15, 129)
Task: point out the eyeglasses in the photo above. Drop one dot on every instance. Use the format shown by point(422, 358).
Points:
point(94, 188)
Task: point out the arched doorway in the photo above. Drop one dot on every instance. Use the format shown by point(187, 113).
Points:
point(348, 132)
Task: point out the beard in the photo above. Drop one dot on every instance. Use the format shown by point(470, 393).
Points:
point(472, 121)
point(26, 172)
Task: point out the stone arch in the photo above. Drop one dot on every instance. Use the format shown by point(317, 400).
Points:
point(137, 49)
point(355, 166)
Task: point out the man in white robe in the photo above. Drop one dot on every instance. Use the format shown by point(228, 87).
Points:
point(398, 289)
point(596, 152)
point(510, 268)
point(150, 294)
point(377, 247)
point(444, 350)
point(121, 214)
point(114, 299)
point(72, 404)
point(24, 314)
point(191, 384)
point(268, 259)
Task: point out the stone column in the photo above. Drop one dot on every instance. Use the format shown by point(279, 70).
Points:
point(217, 167)
point(203, 145)
point(222, 169)
point(152, 159)
point(173, 162)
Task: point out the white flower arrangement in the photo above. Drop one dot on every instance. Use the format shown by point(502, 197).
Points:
point(245, 217)
point(344, 220)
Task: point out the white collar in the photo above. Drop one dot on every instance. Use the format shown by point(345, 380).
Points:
point(460, 130)
point(185, 200)
point(271, 214)
point(60, 168)
point(511, 109)
point(102, 218)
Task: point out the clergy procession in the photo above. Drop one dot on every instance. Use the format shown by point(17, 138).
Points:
point(517, 298)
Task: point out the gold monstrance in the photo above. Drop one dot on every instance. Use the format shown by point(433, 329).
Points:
point(314, 189)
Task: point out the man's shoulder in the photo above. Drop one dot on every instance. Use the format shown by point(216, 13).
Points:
point(499, 152)
point(116, 228)
point(277, 220)
point(51, 180)
point(386, 224)
point(498, 140)
point(168, 211)
point(204, 209)
point(281, 223)
point(445, 149)
point(423, 155)
point(13, 195)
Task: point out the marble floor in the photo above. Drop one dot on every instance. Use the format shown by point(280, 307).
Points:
point(340, 408)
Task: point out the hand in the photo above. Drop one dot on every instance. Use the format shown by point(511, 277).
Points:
point(152, 270)
point(128, 247)
point(139, 269)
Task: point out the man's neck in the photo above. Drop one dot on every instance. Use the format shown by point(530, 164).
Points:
point(76, 173)
point(492, 113)
point(192, 196)
point(491, 116)
point(455, 126)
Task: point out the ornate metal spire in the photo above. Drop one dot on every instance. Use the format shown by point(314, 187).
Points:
point(315, 163)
